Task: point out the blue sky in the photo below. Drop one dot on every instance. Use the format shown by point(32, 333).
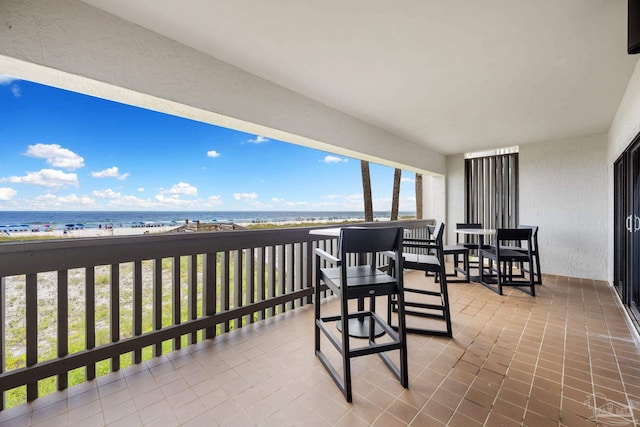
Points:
point(61, 150)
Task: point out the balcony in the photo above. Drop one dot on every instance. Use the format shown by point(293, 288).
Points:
point(548, 360)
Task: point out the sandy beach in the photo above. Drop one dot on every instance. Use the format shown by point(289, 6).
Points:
point(92, 232)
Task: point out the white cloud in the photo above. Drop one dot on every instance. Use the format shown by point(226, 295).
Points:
point(214, 200)
point(6, 80)
point(140, 189)
point(276, 200)
point(258, 140)
point(407, 180)
point(174, 200)
point(73, 199)
point(105, 194)
point(51, 178)
point(213, 153)
point(112, 172)
point(132, 202)
point(56, 156)
point(334, 159)
point(7, 193)
point(182, 188)
point(12, 82)
point(245, 196)
point(297, 203)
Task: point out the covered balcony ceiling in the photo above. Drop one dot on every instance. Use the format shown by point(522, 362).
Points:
point(454, 76)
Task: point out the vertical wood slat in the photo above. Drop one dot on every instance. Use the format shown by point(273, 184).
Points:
point(157, 301)
point(492, 190)
point(250, 283)
point(115, 311)
point(272, 278)
point(237, 282)
point(224, 286)
point(281, 276)
point(31, 310)
point(90, 316)
point(3, 339)
point(261, 279)
point(309, 268)
point(209, 297)
point(192, 297)
point(175, 297)
point(63, 323)
point(137, 307)
point(290, 270)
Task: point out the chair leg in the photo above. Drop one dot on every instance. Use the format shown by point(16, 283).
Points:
point(346, 351)
point(467, 268)
point(402, 334)
point(317, 312)
point(538, 272)
point(445, 302)
point(531, 279)
point(499, 277)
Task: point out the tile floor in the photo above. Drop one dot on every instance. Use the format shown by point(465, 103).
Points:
point(514, 360)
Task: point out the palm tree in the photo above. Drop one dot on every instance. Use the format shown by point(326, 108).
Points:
point(418, 196)
point(366, 190)
point(395, 201)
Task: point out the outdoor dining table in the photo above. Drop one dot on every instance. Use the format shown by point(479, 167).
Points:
point(481, 233)
point(358, 327)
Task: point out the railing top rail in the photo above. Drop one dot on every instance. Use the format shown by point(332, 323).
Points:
point(50, 255)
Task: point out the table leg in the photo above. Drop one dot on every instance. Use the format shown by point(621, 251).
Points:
point(359, 327)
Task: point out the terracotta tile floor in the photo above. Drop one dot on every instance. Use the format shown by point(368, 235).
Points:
point(514, 360)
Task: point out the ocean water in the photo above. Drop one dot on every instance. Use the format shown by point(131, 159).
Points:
point(95, 219)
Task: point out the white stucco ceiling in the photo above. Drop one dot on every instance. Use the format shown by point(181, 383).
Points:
point(453, 75)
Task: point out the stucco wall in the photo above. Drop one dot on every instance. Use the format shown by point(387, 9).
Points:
point(75, 46)
point(626, 123)
point(455, 195)
point(624, 128)
point(563, 190)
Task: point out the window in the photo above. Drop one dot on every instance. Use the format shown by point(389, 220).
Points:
point(491, 192)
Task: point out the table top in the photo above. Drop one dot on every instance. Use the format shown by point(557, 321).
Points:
point(477, 231)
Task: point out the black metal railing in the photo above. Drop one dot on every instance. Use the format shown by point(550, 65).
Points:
point(81, 306)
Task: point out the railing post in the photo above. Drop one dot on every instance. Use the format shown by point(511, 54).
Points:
point(237, 282)
point(63, 323)
point(157, 301)
point(137, 307)
point(250, 288)
point(90, 316)
point(290, 271)
point(209, 269)
point(31, 311)
point(192, 296)
point(261, 279)
point(308, 262)
point(224, 286)
point(115, 311)
point(175, 296)
point(281, 274)
point(271, 280)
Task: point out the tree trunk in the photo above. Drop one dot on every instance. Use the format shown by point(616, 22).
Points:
point(418, 196)
point(366, 191)
point(395, 201)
